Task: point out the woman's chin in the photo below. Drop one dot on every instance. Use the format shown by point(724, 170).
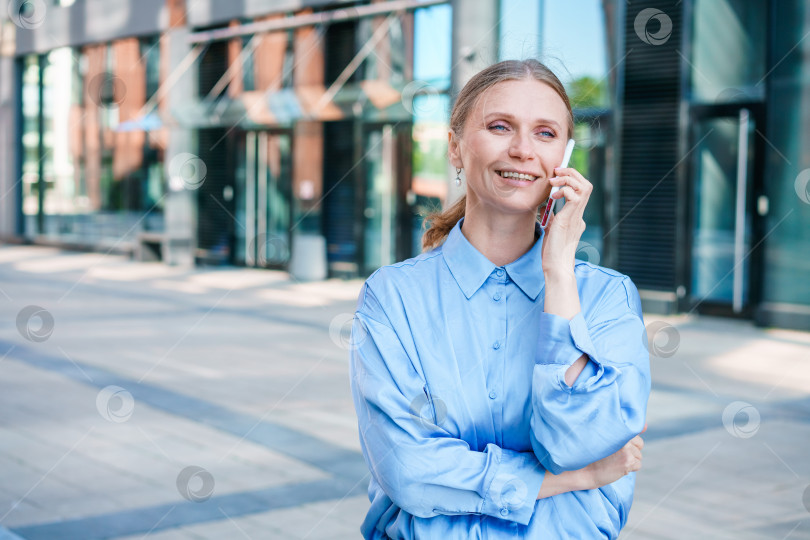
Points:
point(517, 204)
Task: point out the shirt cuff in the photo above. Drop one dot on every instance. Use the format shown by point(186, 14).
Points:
point(512, 494)
point(562, 341)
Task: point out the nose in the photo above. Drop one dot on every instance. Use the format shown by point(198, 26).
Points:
point(520, 147)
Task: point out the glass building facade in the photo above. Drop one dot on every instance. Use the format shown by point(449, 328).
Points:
point(91, 175)
point(250, 135)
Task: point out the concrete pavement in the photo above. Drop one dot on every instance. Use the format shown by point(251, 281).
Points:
point(141, 400)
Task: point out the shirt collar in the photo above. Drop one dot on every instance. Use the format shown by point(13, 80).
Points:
point(471, 268)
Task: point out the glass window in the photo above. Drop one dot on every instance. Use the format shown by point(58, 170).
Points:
point(520, 24)
point(98, 175)
point(60, 119)
point(387, 59)
point(589, 158)
point(397, 46)
point(728, 51)
point(150, 56)
point(287, 69)
point(429, 155)
point(30, 133)
point(580, 57)
point(212, 65)
point(248, 66)
point(341, 42)
point(787, 183)
point(429, 103)
point(432, 40)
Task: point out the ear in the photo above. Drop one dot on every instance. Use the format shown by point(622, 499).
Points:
point(453, 150)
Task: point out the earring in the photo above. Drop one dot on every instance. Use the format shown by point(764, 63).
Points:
point(458, 176)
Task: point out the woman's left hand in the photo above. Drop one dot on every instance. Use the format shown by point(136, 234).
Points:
point(565, 228)
point(626, 460)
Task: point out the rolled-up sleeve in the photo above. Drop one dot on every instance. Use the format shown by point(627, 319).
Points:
point(573, 426)
point(424, 470)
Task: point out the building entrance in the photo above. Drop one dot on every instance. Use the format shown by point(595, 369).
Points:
point(726, 202)
point(263, 199)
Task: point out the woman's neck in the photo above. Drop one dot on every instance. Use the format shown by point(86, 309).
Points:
point(501, 238)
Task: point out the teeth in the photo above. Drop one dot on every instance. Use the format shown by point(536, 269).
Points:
point(519, 176)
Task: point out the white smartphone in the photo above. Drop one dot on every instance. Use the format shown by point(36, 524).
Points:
point(569, 149)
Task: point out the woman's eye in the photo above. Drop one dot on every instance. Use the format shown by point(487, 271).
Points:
point(498, 127)
point(546, 133)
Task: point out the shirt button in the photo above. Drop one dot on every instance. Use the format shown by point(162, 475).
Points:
point(504, 512)
point(499, 272)
point(497, 296)
point(492, 395)
point(496, 345)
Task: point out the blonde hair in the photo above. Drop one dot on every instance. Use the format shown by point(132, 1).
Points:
point(443, 221)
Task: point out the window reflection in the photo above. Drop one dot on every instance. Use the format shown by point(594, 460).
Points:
point(430, 103)
point(30, 135)
point(722, 26)
point(86, 143)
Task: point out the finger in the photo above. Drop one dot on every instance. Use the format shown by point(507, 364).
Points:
point(565, 171)
point(577, 196)
point(634, 451)
point(566, 180)
point(567, 192)
point(570, 171)
point(637, 441)
point(645, 428)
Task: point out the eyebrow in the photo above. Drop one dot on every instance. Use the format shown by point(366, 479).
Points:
point(512, 117)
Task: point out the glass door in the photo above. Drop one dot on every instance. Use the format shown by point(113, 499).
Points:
point(264, 200)
point(722, 211)
point(379, 231)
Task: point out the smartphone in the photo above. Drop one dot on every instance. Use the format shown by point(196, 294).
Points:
point(569, 149)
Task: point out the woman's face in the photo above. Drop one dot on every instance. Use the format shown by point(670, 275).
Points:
point(516, 128)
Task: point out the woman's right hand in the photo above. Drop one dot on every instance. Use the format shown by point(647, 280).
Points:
point(615, 466)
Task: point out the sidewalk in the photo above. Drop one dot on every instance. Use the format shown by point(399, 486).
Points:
point(141, 400)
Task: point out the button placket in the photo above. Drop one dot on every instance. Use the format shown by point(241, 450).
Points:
point(495, 383)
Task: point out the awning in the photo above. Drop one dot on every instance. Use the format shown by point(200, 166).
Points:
point(371, 101)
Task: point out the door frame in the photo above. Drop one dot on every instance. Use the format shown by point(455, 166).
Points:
point(402, 170)
point(256, 221)
point(754, 190)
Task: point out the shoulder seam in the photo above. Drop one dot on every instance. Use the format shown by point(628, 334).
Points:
point(414, 260)
point(408, 262)
point(366, 289)
point(603, 269)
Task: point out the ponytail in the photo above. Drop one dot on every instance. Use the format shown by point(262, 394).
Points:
point(441, 223)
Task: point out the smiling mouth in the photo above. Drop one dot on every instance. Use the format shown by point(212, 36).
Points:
point(517, 175)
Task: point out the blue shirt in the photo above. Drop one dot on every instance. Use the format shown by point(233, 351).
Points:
point(457, 377)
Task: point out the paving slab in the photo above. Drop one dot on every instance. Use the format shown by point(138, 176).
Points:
point(139, 371)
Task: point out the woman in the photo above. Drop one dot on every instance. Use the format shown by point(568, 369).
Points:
point(500, 385)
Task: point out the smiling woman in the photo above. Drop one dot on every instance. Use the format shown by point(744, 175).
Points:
point(488, 410)
point(504, 79)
